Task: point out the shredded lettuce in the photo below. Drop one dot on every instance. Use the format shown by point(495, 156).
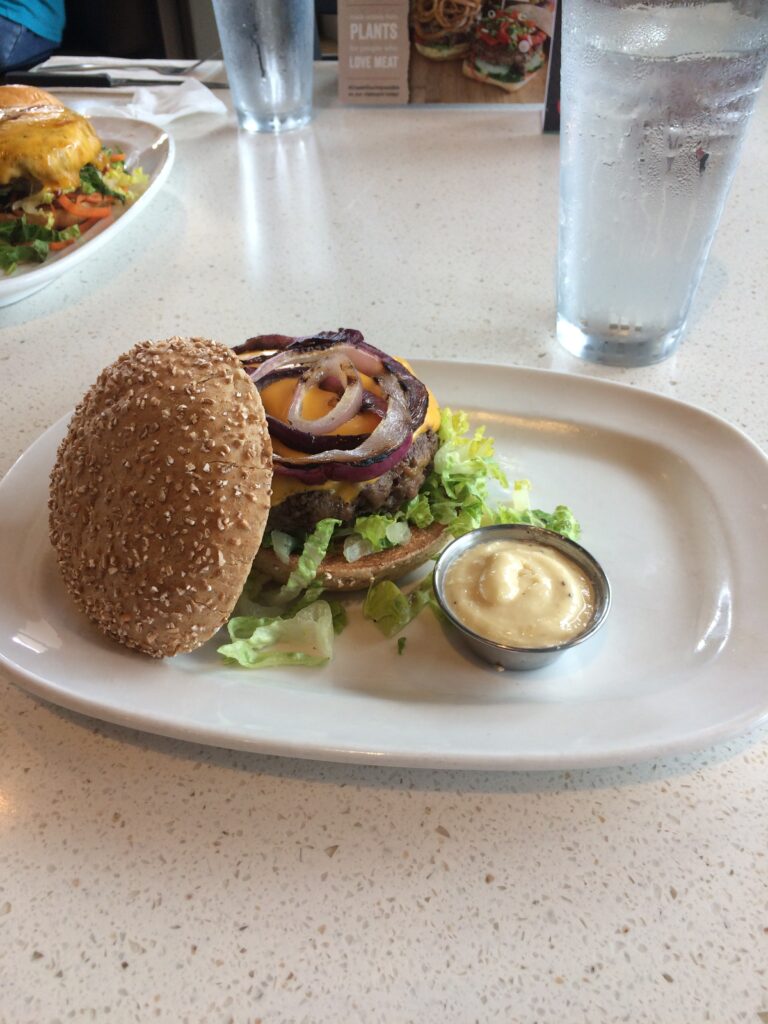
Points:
point(130, 183)
point(376, 533)
point(115, 181)
point(305, 638)
point(312, 554)
point(455, 492)
point(92, 181)
point(561, 520)
point(418, 513)
point(464, 466)
point(392, 609)
point(291, 626)
point(21, 242)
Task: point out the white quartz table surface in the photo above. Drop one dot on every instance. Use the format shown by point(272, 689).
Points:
point(144, 878)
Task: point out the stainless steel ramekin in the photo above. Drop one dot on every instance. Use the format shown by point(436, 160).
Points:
point(523, 658)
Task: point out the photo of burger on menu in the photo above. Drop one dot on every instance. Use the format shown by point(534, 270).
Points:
point(446, 51)
point(479, 51)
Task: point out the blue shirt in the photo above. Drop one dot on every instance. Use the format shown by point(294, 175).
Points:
point(43, 17)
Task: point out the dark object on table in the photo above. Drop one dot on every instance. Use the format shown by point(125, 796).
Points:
point(552, 105)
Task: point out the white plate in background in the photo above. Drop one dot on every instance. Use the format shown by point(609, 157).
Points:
point(146, 146)
point(673, 501)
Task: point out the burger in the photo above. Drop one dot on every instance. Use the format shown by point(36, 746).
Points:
point(507, 49)
point(187, 464)
point(57, 180)
point(354, 434)
point(442, 29)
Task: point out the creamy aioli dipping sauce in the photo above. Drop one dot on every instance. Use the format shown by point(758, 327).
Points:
point(519, 593)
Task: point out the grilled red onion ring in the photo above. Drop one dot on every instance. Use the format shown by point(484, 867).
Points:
point(350, 392)
point(266, 342)
point(334, 361)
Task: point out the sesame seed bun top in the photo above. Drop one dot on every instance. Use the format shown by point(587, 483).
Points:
point(160, 494)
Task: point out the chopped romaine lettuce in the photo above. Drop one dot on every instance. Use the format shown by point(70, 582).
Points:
point(519, 510)
point(391, 608)
point(312, 554)
point(339, 614)
point(92, 181)
point(129, 183)
point(305, 638)
point(25, 242)
point(464, 466)
point(291, 626)
point(457, 494)
point(562, 520)
point(21, 242)
point(376, 533)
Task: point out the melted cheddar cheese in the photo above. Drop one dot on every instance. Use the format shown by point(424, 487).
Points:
point(45, 144)
point(277, 398)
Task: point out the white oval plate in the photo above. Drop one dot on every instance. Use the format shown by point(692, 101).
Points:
point(673, 502)
point(145, 146)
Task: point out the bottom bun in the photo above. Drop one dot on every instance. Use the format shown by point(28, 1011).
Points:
point(337, 574)
point(478, 76)
point(442, 52)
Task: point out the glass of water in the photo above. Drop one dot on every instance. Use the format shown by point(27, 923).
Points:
point(656, 96)
point(268, 48)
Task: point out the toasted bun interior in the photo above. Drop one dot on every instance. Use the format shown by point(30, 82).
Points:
point(160, 494)
point(337, 574)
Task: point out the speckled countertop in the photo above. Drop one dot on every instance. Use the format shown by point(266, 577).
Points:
point(144, 878)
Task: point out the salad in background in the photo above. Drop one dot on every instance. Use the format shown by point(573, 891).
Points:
point(42, 222)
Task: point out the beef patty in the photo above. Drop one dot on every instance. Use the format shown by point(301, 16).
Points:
point(301, 512)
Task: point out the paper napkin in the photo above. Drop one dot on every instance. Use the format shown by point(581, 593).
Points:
point(159, 105)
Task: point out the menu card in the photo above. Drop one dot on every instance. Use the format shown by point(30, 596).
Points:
point(445, 51)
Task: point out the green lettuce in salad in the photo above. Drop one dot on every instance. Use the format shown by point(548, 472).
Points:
point(21, 242)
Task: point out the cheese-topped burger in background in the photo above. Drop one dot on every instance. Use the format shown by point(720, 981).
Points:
point(57, 180)
point(354, 436)
point(442, 29)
